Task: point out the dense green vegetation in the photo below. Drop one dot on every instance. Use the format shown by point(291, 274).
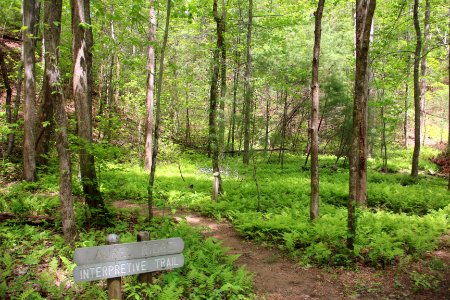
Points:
point(224, 90)
point(37, 264)
point(404, 218)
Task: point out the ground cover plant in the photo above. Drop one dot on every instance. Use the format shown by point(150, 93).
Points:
point(404, 217)
point(37, 264)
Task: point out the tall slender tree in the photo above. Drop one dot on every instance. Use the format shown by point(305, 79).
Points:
point(248, 86)
point(150, 88)
point(423, 70)
point(151, 180)
point(82, 43)
point(314, 203)
point(30, 20)
point(5, 77)
point(214, 129)
point(52, 33)
point(417, 106)
point(448, 70)
point(358, 153)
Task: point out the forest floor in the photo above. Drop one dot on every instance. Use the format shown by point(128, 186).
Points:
point(278, 277)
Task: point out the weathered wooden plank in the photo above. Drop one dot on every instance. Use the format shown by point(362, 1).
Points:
point(129, 251)
point(121, 268)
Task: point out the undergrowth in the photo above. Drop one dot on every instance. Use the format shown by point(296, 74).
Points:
point(37, 264)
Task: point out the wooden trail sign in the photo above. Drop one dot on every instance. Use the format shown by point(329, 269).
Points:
point(117, 260)
point(129, 251)
point(121, 268)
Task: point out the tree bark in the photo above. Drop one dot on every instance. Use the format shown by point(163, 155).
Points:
point(149, 99)
point(358, 154)
point(82, 93)
point(151, 180)
point(52, 33)
point(223, 78)
point(423, 70)
point(248, 86)
point(8, 89)
point(314, 130)
point(30, 21)
point(448, 58)
point(15, 112)
point(417, 106)
point(214, 129)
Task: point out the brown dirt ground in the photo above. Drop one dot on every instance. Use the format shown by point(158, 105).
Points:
point(276, 277)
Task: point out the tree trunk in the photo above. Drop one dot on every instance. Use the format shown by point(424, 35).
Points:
point(82, 93)
point(4, 71)
point(150, 89)
point(52, 33)
point(405, 118)
point(314, 130)
point(214, 130)
point(358, 154)
point(266, 133)
point(15, 112)
point(223, 78)
point(448, 58)
point(235, 88)
point(187, 138)
point(151, 180)
point(248, 86)
point(30, 21)
point(417, 108)
point(423, 70)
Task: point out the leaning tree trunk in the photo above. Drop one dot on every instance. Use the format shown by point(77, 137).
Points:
point(314, 130)
point(358, 154)
point(417, 108)
point(52, 33)
point(30, 20)
point(248, 86)
point(82, 93)
point(150, 89)
point(151, 180)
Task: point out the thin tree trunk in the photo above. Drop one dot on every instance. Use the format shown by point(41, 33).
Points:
point(15, 112)
point(82, 93)
point(248, 86)
point(223, 79)
point(151, 180)
point(8, 104)
point(150, 89)
point(314, 130)
point(235, 88)
point(417, 108)
point(30, 21)
point(266, 134)
point(405, 119)
point(358, 154)
point(214, 130)
point(448, 58)
point(423, 69)
point(284, 95)
point(187, 138)
point(52, 33)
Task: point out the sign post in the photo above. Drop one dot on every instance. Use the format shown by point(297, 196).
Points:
point(114, 285)
point(116, 260)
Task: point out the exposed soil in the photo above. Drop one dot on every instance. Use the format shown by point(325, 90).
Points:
point(277, 277)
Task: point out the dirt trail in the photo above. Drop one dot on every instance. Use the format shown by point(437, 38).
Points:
point(276, 277)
